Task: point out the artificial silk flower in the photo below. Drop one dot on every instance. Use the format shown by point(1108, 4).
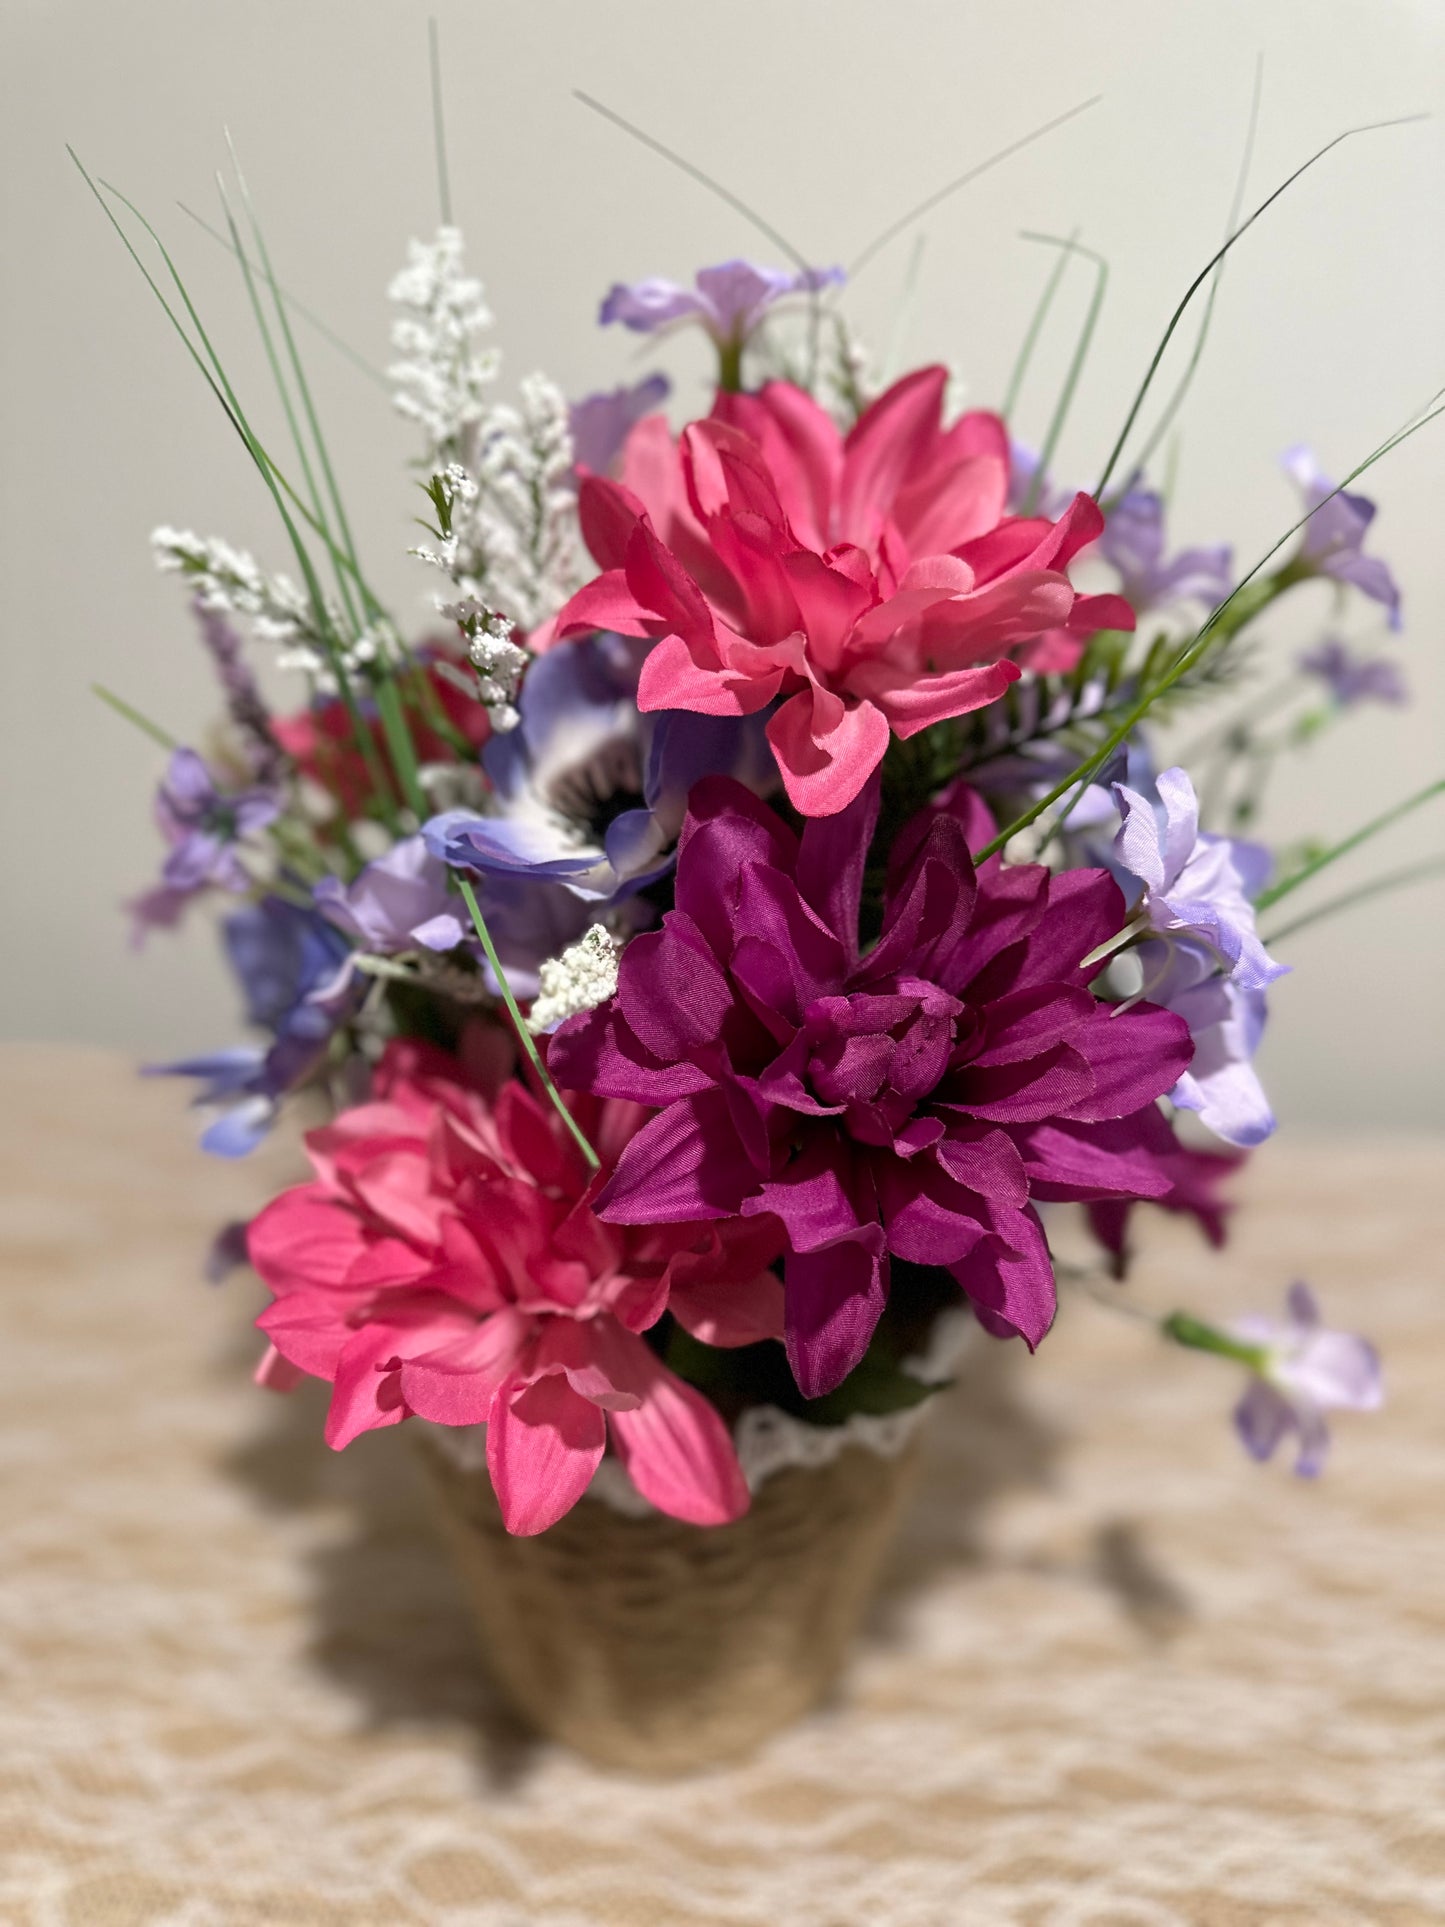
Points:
point(859, 588)
point(728, 301)
point(1195, 1192)
point(1195, 885)
point(1226, 1021)
point(401, 901)
point(202, 824)
point(1332, 542)
point(916, 1100)
point(291, 964)
point(446, 1262)
point(1304, 1370)
point(1352, 678)
point(600, 424)
point(587, 793)
point(1133, 544)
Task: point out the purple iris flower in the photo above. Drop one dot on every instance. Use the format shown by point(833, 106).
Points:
point(1332, 542)
point(202, 825)
point(289, 962)
point(1226, 1022)
point(399, 902)
point(915, 1100)
point(1305, 1370)
point(601, 423)
point(729, 300)
point(1133, 542)
point(1351, 678)
point(588, 792)
point(1195, 885)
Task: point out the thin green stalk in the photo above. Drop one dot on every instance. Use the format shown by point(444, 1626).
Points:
point(298, 369)
point(220, 387)
point(312, 320)
point(931, 201)
point(903, 314)
point(1372, 127)
point(439, 130)
point(1185, 1329)
point(399, 742)
point(1176, 400)
point(1352, 842)
point(1076, 364)
point(1203, 640)
point(274, 362)
point(1347, 899)
point(524, 1036)
point(142, 723)
point(1035, 328)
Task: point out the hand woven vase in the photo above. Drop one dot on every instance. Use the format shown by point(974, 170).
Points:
point(662, 1647)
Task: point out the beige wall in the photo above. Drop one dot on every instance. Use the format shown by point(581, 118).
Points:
point(830, 118)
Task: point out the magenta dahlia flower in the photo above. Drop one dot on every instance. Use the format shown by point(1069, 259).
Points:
point(446, 1261)
point(914, 1100)
point(870, 585)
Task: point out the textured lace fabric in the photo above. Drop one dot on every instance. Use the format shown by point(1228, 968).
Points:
point(1118, 1677)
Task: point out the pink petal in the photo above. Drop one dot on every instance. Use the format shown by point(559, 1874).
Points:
point(457, 1383)
point(826, 749)
point(727, 1312)
point(677, 1450)
point(544, 1443)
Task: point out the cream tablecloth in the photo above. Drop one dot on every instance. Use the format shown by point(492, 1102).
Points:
point(1119, 1675)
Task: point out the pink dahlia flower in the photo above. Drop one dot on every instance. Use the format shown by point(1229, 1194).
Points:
point(915, 1100)
point(446, 1262)
point(870, 584)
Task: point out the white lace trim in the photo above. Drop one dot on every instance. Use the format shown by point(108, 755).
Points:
point(769, 1440)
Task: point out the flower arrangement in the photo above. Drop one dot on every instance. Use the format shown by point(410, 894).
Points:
point(756, 910)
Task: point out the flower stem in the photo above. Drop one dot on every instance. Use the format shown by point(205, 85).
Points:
point(1199, 1337)
point(1362, 835)
point(525, 1037)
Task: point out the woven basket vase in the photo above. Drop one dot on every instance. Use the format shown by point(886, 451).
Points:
point(662, 1647)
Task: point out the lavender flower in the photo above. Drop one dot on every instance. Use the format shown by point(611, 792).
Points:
point(399, 902)
point(729, 300)
point(1304, 1370)
point(245, 704)
point(600, 423)
point(1195, 885)
point(1351, 678)
point(1332, 543)
point(1226, 1022)
point(1133, 542)
point(202, 824)
point(292, 967)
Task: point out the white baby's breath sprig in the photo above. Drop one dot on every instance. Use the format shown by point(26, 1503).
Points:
point(584, 976)
point(444, 367)
point(229, 581)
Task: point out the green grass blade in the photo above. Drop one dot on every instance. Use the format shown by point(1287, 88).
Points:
point(308, 315)
point(1352, 842)
point(524, 1036)
point(1076, 364)
point(1214, 623)
point(1377, 887)
point(1372, 127)
point(134, 716)
point(1176, 400)
point(1035, 328)
point(439, 128)
point(936, 199)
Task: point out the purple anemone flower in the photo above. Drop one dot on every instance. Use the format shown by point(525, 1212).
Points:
point(1352, 678)
point(1195, 885)
point(399, 902)
point(589, 793)
point(916, 1100)
point(1133, 543)
point(729, 300)
point(1226, 1022)
point(601, 423)
point(1305, 1370)
point(1332, 542)
point(290, 963)
point(202, 824)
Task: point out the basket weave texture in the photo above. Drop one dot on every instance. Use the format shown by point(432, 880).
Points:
point(661, 1647)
